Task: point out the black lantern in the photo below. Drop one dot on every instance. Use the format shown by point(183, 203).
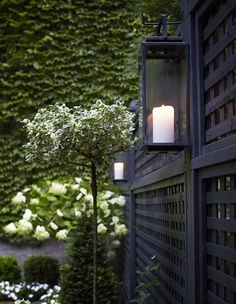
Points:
point(164, 94)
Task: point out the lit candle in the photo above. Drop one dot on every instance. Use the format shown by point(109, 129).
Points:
point(163, 124)
point(118, 170)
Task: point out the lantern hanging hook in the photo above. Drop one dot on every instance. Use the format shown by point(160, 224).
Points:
point(162, 24)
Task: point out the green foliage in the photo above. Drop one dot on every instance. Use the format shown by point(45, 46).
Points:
point(41, 269)
point(77, 276)
point(9, 269)
point(149, 279)
point(69, 51)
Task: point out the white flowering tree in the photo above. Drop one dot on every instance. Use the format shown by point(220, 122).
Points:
point(88, 138)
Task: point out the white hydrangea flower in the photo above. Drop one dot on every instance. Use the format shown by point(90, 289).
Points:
point(57, 189)
point(53, 226)
point(41, 233)
point(104, 205)
point(24, 227)
point(34, 201)
point(121, 230)
point(101, 228)
point(19, 198)
point(115, 220)
point(10, 228)
point(121, 200)
point(59, 213)
point(107, 194)
point(62, 234)
point(27, 215)
point(106, 212)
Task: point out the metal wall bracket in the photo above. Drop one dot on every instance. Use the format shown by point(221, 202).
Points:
point(162, 25)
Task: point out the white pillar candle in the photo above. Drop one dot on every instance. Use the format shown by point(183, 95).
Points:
point(163, 124)
point(119, 170)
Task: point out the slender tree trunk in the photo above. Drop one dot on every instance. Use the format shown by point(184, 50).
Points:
point(95, 238)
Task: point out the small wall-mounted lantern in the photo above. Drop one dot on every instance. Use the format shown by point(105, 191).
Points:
point(164, 93)
point(118, 169)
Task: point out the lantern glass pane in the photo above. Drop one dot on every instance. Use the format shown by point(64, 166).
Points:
point(165, 94)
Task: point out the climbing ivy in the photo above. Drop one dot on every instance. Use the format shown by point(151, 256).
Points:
point(70, 51)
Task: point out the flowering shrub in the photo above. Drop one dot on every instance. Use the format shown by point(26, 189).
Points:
point(52, 296)
point(17, 292)
point(22, 302)
point(51, 209)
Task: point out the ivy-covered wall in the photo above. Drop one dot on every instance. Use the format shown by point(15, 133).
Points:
point(70, 51)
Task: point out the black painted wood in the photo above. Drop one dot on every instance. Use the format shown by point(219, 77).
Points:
point(183, 205)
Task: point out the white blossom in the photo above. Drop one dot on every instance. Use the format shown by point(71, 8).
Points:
point(108, 194)
point(104, 205)
point(83, 191)
point(57, 189)
point(121, 200)
point(53, 226)
point(78, 197)
point(101, 228)
point(41, 233)
point(115, 220)
point(24, 227)
point(59, 213)
point(62, 234)
point(19, 198)
point(107, 212)
point(27, 215)
point(121, 230)
point(78, 180)
point(34, 201)
point(75, 186)
point(10, 228)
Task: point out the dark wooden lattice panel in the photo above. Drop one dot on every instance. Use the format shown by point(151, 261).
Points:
point(123, 258)
point(161, 236)
point(221, 239)
point(219, 71)
point(147, 163)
